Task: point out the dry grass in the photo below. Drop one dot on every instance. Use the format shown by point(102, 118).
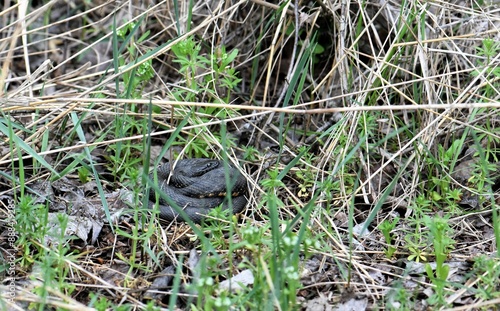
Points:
point(394, 109)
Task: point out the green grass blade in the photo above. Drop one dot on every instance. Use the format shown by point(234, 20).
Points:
point(19, 142)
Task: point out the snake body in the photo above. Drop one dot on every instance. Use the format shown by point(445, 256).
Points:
point(197, 186)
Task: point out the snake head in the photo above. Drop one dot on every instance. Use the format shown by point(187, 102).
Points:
point(192, 168)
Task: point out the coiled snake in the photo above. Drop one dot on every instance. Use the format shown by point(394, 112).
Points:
point(197, 186)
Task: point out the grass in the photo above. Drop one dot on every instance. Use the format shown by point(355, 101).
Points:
point(368, 133)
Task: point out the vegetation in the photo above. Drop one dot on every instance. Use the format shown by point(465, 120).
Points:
point(368, 132)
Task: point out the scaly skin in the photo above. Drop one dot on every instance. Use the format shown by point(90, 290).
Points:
point(197, 186)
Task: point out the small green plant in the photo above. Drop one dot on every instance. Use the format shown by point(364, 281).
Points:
point(31, 223)
point(139, 238)
point(306, 182)
point(218, 228)
point(101, 303)
point(54, 260)
point(219, 78)
point(199, 145)
point(481, 176)
point(271, 183)
point(487, 270)
point(84, 175)
point(209, 269)
point(124, 159)
point(306, 176)
point(441, 195)
point(439, 233)
point(399, 298)
point(251, 153)
point(135, 80)
point(414, 240)
point(208, 78)
point(368, 125)
point(416, 249)
point(386, 227)
point(48, 262)
point(488, 51)
point(422, 205)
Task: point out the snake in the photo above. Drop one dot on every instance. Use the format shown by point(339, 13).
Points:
point(198, 186)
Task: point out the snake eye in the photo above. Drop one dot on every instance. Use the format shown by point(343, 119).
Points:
point(204, 167)
point(211, 164)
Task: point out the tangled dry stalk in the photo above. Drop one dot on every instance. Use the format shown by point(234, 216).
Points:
point(345, 114)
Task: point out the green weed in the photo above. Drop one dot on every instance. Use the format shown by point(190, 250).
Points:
point(439, 233)
point(487, 52)
point(487, 270)
point(386, 227)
